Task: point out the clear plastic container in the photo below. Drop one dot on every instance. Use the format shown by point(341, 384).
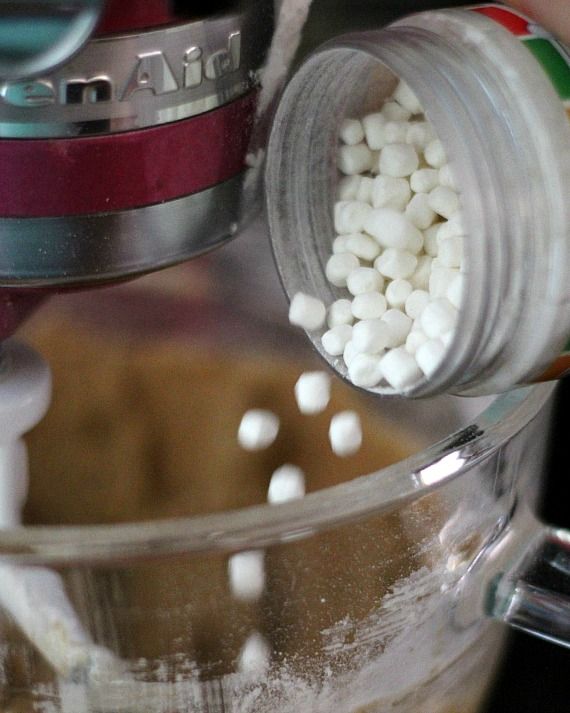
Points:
point(502, 120)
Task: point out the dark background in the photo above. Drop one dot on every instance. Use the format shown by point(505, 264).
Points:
point(535, 676)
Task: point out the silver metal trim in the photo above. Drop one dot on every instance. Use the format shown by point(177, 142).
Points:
point(43, 252)
point(143, 79)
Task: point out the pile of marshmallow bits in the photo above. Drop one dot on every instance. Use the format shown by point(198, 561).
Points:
point(398, 250)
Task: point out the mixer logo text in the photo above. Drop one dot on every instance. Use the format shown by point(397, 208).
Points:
point(151, 71)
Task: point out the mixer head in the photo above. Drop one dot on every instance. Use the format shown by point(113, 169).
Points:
point(123, 151)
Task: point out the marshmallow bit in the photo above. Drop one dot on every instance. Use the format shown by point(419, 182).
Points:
point(430, 355)
point(446, 177)
point(369, 305)
point(399, 326)
point(339, 267)
point(420, 134)
point(351, 132)
point(393, 111)
point(364, 193)
point(255, 655)
point(345, 433)
point(364, 370)
point(451, 251)
point(418, 211)
point(431, 245)
point(399, 368)
point(398, 160)
point(414, 341)
point(364, 279)
point(398, 292)
point(351, 160)
point(388, 192)
point(287, 483)
point(313, 392)
point(420, 279)
point(363, 246)
point(349, 354)
point(440, 279)
point(406, 98)
point(416, 302)
point(347, 188)
point(339, 244)
point(393, 230)
point(335, 339)
point(424, 180)
point(258, 429)
point(454, 292)
point(451, 228)
point(438, 317)
point(246, 572)
point(447, 338)
point(373, 125)
point(395, 132)
point(340, 312)
point(371, 336)
point(444, 201)
point(307, 312)
point(435, 154)
point(350, 216)
point(396, 264)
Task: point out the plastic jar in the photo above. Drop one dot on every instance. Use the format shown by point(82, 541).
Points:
point(494, 86)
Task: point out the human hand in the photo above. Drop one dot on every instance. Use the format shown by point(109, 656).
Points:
point(552, 14)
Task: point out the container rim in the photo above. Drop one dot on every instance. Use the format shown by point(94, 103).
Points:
point(264, 525)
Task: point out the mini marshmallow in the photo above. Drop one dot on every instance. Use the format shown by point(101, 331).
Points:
point(435, 154)
point(438, 317)
point(420, 134)
point(396, 264)
point(373, 125)
point(420, 277)
point(454, 291)
point(440, 279)
point(451, 251)
point(424, 180)
point(429, 356)
point(345, 433)
point(350, 216)
point(364, 370)
point(363, 246)
point(447, 338)
point(444, 201)
point(392, 111)
point(349, 354)
point(369, 305)
point(364, 193)
point(335, 339)
point(287, 483)
point(395, 132)
point(406, 98)
point(351, 132)
point(393, 230)
point(400, 369)
point(339, 244)
point(414, 341)
point(431, 245)
point(351, 160)
point(307, 312)
point(416, 303)
point(398, 160)
point(340, 312)
point(451, 228)
point(246, 572)
point(339, 267)
point(388, 192)
point(255, 655)
point(446, 177)
point(258, 429)
point(419, 212)
point(399, 326)
point(313, 392)
point(364, 279)
point(347, 188)
point(398, 292)
point(370, 336)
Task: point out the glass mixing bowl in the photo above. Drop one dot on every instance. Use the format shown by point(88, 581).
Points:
point(379, 591)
